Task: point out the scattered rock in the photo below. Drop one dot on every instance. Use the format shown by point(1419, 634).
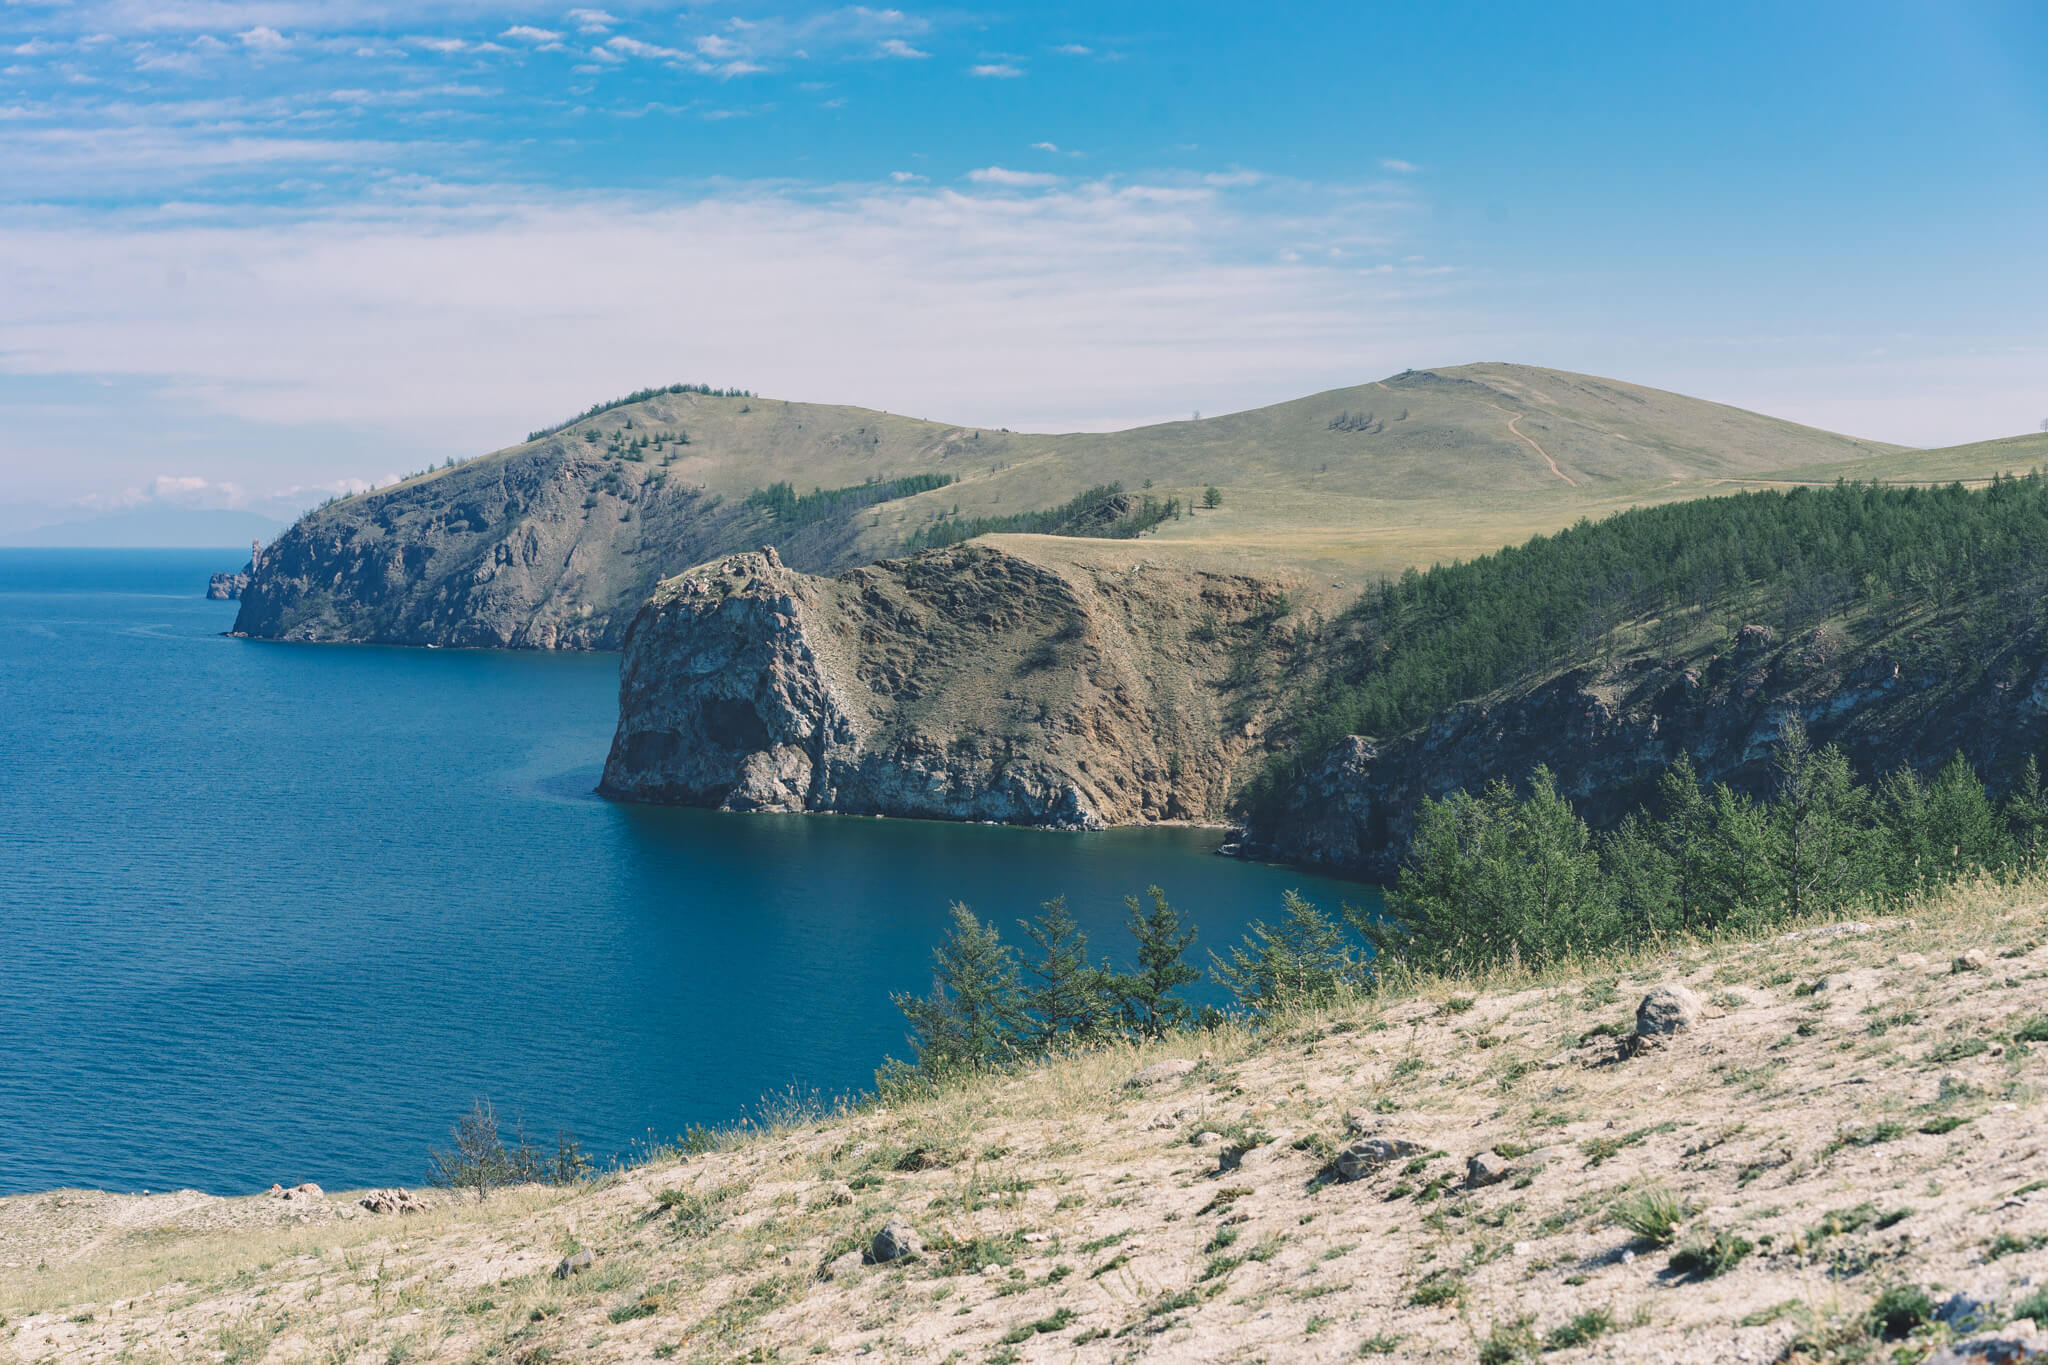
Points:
point(1974, 960)
point(393, 1201)
point(1208, 1137)
point(306, 1191)
point(1037, 1237)
point(1667, 1010)
point(894, 1242)
point(1160, 1072)
point(832, 1194)
point(841, 1266)
point(1360, 1121)
point(2013, 1342)
point(1964, 1312)
point(1847, 926)
point(574, 1265)
point(1362, 1158)
point(1487, 1168)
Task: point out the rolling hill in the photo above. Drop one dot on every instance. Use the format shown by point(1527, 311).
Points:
point(555, 543)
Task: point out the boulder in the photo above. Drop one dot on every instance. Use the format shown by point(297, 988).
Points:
point(1161, 1072)
point(393, 1201)
point(574, 1265)
point(1487, 1168)
point(1360, 1159)
point(894, 1242)
point(1973, 960)
point(1963, 1312)
point(1667, 1010)
point(2015, 1341)
point(308, 1190)
point(831, 1193)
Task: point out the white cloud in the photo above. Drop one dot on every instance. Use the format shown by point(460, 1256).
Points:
point(1233, 179)
point(527, 33)
point(443, 45)
point(996, 71)
point(1115, 303)
point(905, 177)
point(263, 38)
point(896, 47)
point(633, 47)
point(1396, 164)
point(1044, 147)
point(592, 20)
point(1009, 179)
point(1073, 49)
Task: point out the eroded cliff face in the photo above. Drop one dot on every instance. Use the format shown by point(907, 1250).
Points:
point(1607, 733)
point(964, 684)
point(549, 548)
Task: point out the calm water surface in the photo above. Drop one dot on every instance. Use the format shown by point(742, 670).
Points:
point(277, 912)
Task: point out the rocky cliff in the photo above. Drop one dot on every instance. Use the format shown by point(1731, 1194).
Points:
point(1903, 695)
point(965, 684)
point(227, 587)
point(550, 548)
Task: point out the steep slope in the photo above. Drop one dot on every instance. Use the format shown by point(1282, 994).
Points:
point(965, 684)
point(555, 543)
point(1851, 1123)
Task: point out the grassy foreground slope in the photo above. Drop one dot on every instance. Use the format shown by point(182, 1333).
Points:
point(1851, 1135)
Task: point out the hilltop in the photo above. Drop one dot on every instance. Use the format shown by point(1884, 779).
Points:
point(1846, 1143)
point(556, 542)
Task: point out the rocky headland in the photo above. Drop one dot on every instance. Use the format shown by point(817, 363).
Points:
point(972, 683)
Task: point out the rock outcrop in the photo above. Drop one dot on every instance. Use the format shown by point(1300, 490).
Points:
point(226, 587)
point(1608, 731)
point(964, 684)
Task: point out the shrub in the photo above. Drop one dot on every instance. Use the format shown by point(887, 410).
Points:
point(1653, 1215)
point(1899, 1310)
point(1510, 1342)
point(1580, 1331)
point(1709, 1253)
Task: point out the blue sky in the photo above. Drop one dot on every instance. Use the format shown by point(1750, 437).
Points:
point(254, 252)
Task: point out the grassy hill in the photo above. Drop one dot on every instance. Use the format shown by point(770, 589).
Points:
point(556, 542)
point(1846, 1140)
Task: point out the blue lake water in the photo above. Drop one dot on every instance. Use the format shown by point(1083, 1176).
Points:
point(279, 912)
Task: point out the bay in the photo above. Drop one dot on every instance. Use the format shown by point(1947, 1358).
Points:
point(279, 912)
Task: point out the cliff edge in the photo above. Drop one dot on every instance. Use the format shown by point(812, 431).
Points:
point(972, 683)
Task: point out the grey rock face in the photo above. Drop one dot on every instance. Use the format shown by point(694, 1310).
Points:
point(393, 1201)
point(2014, 1342)
point(1362, 1158)
point(1667, 1010)
point(226, 587)
point(895, 1241)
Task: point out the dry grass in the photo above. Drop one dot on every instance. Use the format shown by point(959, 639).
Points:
point(1825, 1115)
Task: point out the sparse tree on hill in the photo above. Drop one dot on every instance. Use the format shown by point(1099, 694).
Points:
point(1150, 1005)
point(1212, 497)
point(1306, 957)
point(1066, 995)
point(969, 1021)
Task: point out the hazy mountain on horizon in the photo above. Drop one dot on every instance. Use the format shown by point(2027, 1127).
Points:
point(152, 527)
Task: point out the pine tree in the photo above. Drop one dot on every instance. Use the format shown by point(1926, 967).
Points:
point(970, 1020)
point(2026, 814)
point(1818, 827)
point(1149, 1004)
point(1067, 996)
point(1964, 828)
point(1306, 957)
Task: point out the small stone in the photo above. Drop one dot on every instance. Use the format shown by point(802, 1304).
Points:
point(1628, 1258)
point(1974, 960)
point(1160, 1072)
point(306, 1191)
point(1208, 1137)
point(991, 1269)
point(574, 1265)
point(895, 1241)
point(1487, 1168)
point(1037, 1237)
point(1524, 1248)
point(1367, 1155)
point(1667, 1010)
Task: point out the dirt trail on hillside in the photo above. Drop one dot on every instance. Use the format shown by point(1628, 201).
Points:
point(1514, 417)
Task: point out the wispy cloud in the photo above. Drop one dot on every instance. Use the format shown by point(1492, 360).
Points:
point(1009, 179)
point(527, 33)
point(1396, 164)
point(263, 38)
point(996, 71)
point(592, 20)
point(1073, 49)
point(896, 47)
